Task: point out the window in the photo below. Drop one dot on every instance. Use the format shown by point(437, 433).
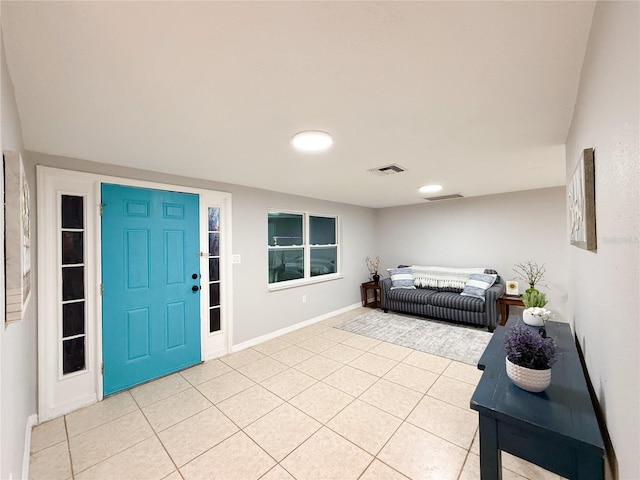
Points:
point(214, 268)
point(73, 284)
point(302, 246)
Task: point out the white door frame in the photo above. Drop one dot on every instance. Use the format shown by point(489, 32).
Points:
point(60, 394)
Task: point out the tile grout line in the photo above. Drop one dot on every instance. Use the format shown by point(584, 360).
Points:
point(66, 432)
point(240, 429)
point(156, 434)
point(130, 446)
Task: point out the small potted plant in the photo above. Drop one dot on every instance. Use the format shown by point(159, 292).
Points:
point(372, 265)
point(529, 358)
point(531, 273)
point(534, 314)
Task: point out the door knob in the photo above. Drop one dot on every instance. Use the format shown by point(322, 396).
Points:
point(195, 288)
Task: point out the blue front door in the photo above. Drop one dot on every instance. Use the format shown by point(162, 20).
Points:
point(150, 268)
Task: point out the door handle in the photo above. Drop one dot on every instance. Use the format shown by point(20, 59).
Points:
point(195, 288)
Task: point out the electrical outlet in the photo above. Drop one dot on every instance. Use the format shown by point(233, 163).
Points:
point(304, 299)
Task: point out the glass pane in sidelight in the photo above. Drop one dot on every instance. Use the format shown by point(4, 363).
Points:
point(72, 319)
point(72, 211)
point(214, 219)
point(73, 355)
point(214, 320)
point(214, 294)
point(72, 248)
point(214, 269)
point(214, 244)
point(72, 283)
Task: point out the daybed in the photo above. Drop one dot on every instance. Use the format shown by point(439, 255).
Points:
point(444, 293)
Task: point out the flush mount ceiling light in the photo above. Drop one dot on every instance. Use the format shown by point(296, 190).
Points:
point(430, 188)
point(312, 141)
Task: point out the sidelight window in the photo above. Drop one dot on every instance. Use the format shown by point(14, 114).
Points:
point(73, 273)
point(214, 268)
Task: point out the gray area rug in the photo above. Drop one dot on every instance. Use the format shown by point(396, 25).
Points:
point(457, 342)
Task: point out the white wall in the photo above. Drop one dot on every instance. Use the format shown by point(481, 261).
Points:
point(18, 339)
point(605, 286)
point(493, 231)
point(256, 310)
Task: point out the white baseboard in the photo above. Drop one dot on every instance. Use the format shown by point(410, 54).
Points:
point(292, 328)
point(215, 354)
point(32, 420)
point(67, 407)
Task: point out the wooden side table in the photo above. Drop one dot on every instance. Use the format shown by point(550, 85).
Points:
point(368, 300)
point(503, 304)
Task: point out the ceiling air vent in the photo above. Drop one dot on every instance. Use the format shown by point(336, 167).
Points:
point(444, 197)
point(387, 170)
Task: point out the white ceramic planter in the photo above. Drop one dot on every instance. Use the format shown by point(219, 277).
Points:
point(527, 378)
point(531, 319)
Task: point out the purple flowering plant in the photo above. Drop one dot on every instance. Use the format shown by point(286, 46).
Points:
point(529, 349)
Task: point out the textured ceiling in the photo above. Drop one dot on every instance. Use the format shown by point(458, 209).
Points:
point(477, 96)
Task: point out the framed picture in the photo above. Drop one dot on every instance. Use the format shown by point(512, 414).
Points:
point(512, 287)
point(582, 203)
point(17, 238)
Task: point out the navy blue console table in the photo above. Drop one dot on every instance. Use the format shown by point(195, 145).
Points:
point(556, 429)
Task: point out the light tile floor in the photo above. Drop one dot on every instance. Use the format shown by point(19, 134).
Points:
point(318, 403)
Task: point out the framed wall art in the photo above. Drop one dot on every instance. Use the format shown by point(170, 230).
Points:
point(581, 193)
point(17, 238)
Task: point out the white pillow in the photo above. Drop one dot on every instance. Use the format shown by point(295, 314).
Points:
point(401, 278)
point(478, 284)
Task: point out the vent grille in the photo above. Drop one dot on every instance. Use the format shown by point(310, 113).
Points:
point(444, 197)
point(387, 170)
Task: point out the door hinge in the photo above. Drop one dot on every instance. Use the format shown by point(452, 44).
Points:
point(102, 368)
point(101, 289)
point(102, 205)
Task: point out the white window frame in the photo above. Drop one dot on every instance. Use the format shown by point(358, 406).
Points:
point(219, 343)
point(306, 247)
